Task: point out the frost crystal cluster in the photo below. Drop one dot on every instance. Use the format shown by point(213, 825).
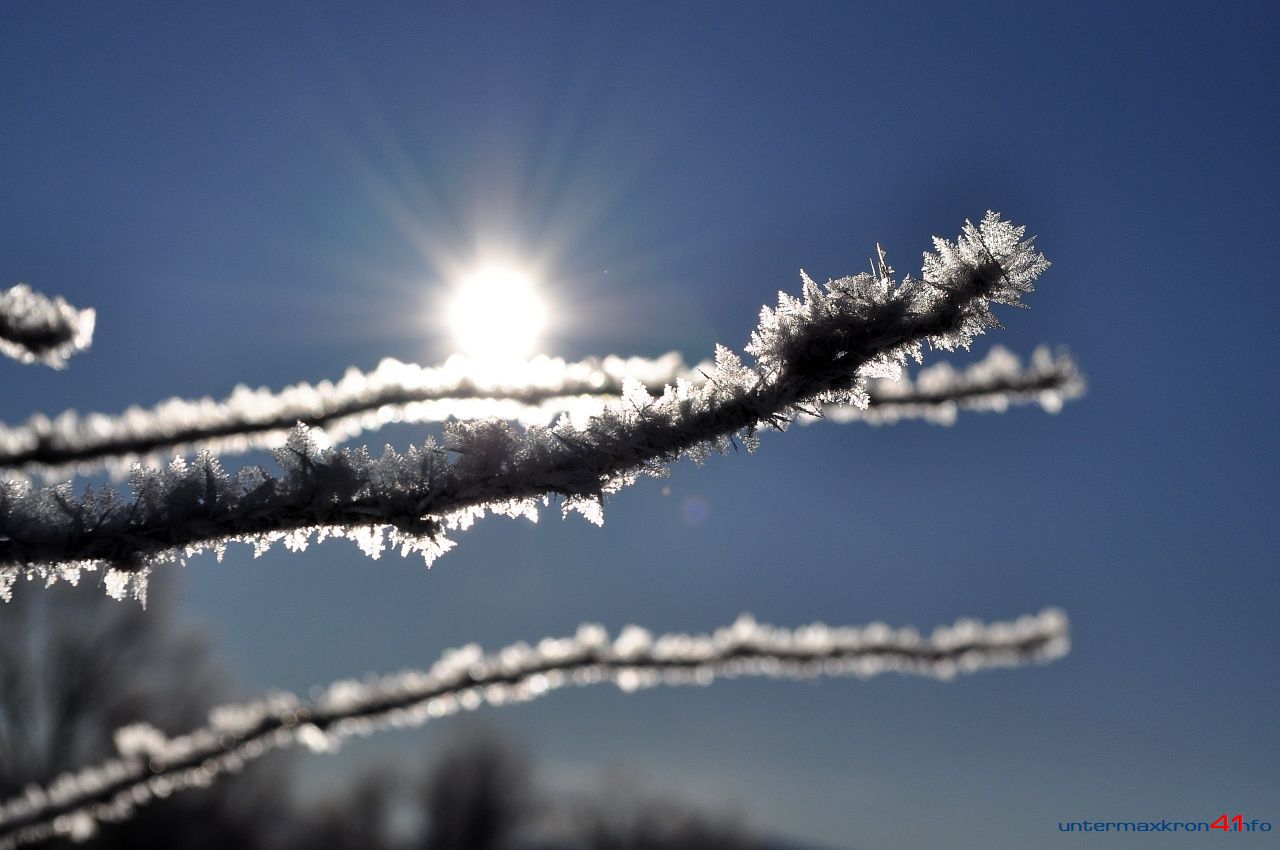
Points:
point(150, 764)
point(819, 349)
point(38, 329)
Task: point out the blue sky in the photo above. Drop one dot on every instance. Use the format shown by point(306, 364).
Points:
point(266, 195)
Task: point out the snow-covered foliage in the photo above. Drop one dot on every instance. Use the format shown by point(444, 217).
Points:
point(533, 393)
point(150, 764)
point(36, 328)
point(812, 351)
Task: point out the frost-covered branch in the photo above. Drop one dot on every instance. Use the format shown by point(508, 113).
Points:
point(150, 765)
point(532, 393)
point(811, 351)
point(36, 328)
point(993, 384)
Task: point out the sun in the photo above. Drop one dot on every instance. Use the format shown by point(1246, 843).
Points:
point(497, 313)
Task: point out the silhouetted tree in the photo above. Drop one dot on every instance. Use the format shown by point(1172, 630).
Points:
point(360, 817)
point(478, 792)
point(620, 816)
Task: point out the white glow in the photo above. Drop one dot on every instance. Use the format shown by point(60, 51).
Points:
point(497, 314)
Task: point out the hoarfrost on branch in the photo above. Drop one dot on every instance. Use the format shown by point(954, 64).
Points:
point(37, 329)
point(819, 349)
point(532, 393)
point(149, 764)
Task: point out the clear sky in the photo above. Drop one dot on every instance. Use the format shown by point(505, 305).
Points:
point(266, 193)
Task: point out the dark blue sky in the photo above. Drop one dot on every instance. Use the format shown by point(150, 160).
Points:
point(270, 195)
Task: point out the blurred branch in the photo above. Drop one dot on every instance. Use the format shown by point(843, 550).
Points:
point(35, 328)
point(533, 393)
point(994, 384)
point(75, 667)
point(151, 765)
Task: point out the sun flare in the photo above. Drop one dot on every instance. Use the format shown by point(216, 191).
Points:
point(497, 314)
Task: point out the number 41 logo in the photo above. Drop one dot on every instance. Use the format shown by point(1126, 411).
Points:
point(1228, 824)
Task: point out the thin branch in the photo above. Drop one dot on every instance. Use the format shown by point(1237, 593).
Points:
point(820, 349)
point(533, 393)
point(36, 328)
point(992, 385)
point(151, 765)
